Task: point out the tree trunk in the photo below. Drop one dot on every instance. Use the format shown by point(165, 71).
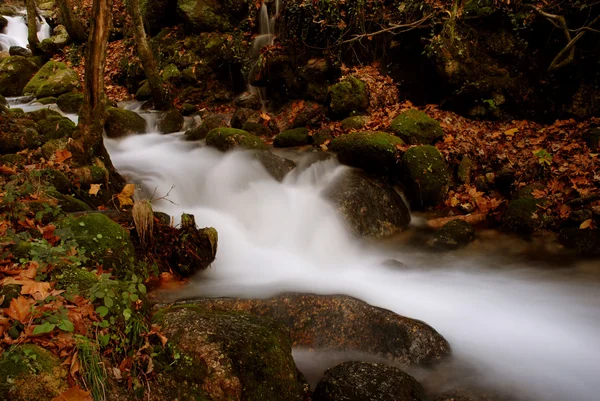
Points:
point(34, 42)
point(73, 25)
point(160, 95)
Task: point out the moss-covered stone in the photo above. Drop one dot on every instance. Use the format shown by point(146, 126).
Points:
point(453, 235)
point(30, 373)
point(15, 72)
point(291, 138)
point(225, 139)
point(322, 136)
point(120, 122)
point(88, 175)
point(356, 122)
point(70, 102)
point(209, 123)
point(171, 73)
point(74, 278)
point(524, 214)
point(464, 170)
point(47, 100)
point(227, 355)
point(425, 175)
point(12, 159)
point(417, 128)
point(347, 96)
point(3, 101)
point(60, 39)
point(17, 134)
point(43, 114)
point(102, 239)
point(50, 148)
point(53, 79)
point(188, 109)
point(56, 128)
point(68, 203)
point(144, 92)
point(203, 15)
point(170, 121)
point(375, 152)
point(56, 179)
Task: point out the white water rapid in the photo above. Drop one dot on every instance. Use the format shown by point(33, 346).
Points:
point(528, 331)
point(15, 33)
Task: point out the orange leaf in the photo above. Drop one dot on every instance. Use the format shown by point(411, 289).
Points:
point(94, 188)
point(586, 224)
point(125, 197)
point(265, 116)
point(38, 290)
point(19, 309)
point(62, 155)
point(7, 170)
point(74, 394)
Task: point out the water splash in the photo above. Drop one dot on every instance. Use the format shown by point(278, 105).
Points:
point(15, 33)
point(525, 330)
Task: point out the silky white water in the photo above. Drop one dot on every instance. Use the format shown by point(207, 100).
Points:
point(528, 332)
point(15, 32)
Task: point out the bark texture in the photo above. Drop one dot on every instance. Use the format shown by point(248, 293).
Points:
point(73, 25)
point(34, 42)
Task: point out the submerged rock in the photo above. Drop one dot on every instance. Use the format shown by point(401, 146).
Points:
point(225, 355)
point(120, 122)
point(15, 72)
point(277, 166)
point(370, 207)
point(453, 235)
point(53, 79)
point(417, 128)
point(347, 96)
point(343, 323)
point(359, 381)
point(226, 139)
point(374, 152)
point(425, 175)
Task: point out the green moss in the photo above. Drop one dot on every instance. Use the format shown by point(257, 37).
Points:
point(18, 112)
point(120, 122)
point(375, 152)
point(50, 148)
point(53, 79)
point(454, 234)
point(356, 122)
point(74, 278)
point(8, 292)
point(464, 170)
point(170, 121)
point(56, 128)
point(417, 128)
point(171, 73)
point(292, 137)
point(347, 96)
point(12, 159)
point(43, 114)
point(524, 214)
point(15, 72)
point(57, 179)
point(144, 92)
point(188, 109)
point(47, 100)
point(70, 102)
point(203, 15)
point(104, 241)
point(225, 139)
point(320, 137)
point(425, 175)
point(68, 203)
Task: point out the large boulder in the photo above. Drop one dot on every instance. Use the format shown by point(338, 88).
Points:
point(359, 381)
point(374, 152)
point(417, 128)
point(53, 79)
point(121, 122)
point(104, 241)
point(19, 51)
point(221, 355)
point(347, 96)
point(30, 373)
point(15, 72)
point(370, 207)
point(17, 134)
point(343, 323)
point(425, 175)
point(225, 139)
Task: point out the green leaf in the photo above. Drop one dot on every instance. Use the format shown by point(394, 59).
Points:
point(66, 325)
point(104, 339)
point(142, 288)
point(133, 297)
point(108, 302)
point(127, 314)
point(43, 328)
point(100, 294)
point(102, 311)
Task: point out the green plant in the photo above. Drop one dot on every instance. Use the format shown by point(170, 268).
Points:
point(544, 158)
point(490, 104)
point(92, 368)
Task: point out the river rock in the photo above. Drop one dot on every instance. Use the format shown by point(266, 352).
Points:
point(60, 39)
point(17, 134)
point(277, 166)
point(417, 128)
point(425, 175)
point(291, 138)
point(248, 101)
point(19, 51)
point(322, 137)
point(209, 123)
point(356, 122)
point(374, 152)
point(15, 72)
point(370, 207)
point(120, 122)
point(170, 121)
point(299, 115)
point(453, 235)
point(53, 79)
point(70, 102)
point(359, 381)
point(226, 139)
point(203, 15)
point(226, 355)
point(524, 214)
point(343, 323)
point(55, 127)
point(347, 96)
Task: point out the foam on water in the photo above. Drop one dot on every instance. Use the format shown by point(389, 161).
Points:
point(525, 330)
point(15, 32)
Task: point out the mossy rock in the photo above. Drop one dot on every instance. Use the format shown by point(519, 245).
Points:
point(322, 136)
point(50, 148)
point(188, 109)
point(171, 73)
point(225, 139)
point(59, 40)
point(374, 152)
point(171, 121)
point(56, 179)
point(417, 128)
point(12, 159)
point(17, 134)
point(208, 123)
point(239, 354)
point(453, 235)
point(31, 373)
point(47, 100)
point(120, 122)
point(347, 96)
point(56, 128)
point(144, 92)
point(70, 102)
point(43, 114)
point(291, 138)
point(203, 15)
point(465, 169)
point(356, 122)
point(3, 101)
point(15, 72)
point(425, 175)
point(53, 79)
point(104, 241)
point(68, 203)
point(74, 278)
point(524, 214)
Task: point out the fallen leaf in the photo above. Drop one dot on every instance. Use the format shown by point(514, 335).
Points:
point(126, 195)
point(586, 224)
point(62, 155)
point(74, 394)
point(38, 290)
point(94, 188)
point(7, 170)
point(19, 309)
point(511, 132)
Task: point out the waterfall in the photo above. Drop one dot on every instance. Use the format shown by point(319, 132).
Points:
point(15, 33)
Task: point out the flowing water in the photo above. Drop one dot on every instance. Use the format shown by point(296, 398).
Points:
point(15, 33)
point(529, 331)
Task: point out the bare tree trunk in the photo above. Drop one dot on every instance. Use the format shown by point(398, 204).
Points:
point(160, 95)
point(73, 25)
point(34, 42)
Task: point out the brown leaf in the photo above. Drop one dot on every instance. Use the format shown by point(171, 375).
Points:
point(74, 394)
point(38, 290)
point(586, 224)
point(19, 309)
point(62, 155)
point(94, 188)
point(7, 170)
point(125, 197)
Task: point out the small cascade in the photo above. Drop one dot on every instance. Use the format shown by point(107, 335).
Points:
point(15, 33)
point(266, 37)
